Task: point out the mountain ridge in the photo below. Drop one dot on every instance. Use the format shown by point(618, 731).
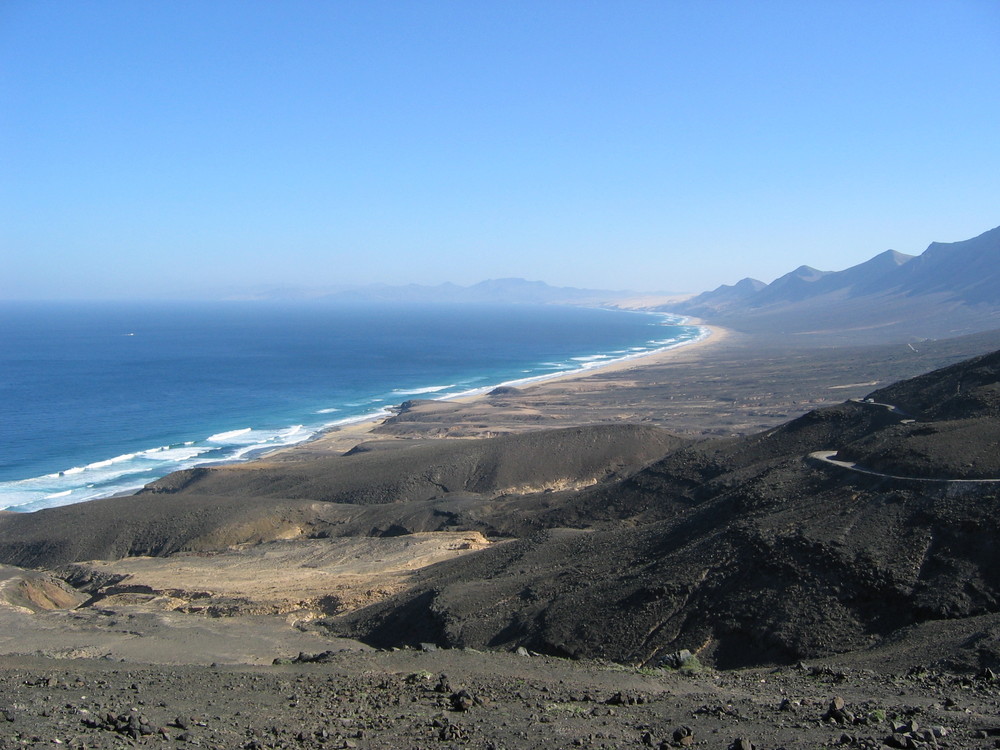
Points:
point(506, 290)
point(950, 289)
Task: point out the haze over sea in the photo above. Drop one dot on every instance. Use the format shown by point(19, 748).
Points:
point(98, 399)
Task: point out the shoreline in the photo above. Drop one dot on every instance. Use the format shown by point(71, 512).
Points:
point(342, 435)
point(342, 438)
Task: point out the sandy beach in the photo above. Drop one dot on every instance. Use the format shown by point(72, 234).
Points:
point(729, 383)
point(344, 437)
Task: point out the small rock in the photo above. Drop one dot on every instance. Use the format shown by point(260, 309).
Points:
point(677, 659)
point(522, 651)
point(684, 736)
point(462, 700)
point(836, 712)
point(741, 743)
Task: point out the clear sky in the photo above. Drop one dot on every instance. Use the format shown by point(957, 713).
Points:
point(178, 148)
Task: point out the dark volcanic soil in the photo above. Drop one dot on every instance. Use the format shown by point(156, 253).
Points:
point(454, 699)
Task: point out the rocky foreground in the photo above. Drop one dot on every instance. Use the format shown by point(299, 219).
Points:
point(462, 698)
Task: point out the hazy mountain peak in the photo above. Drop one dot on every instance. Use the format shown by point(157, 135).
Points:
point(806, 273)
point(746, 284)
point(893, 256)
point(986, 240)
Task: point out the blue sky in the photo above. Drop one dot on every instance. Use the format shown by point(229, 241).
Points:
point(178, 149)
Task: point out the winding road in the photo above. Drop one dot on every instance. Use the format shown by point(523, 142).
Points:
point(827, 456)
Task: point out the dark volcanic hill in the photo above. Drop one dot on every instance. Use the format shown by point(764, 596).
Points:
point(377, 489)
point(951, 288)
point(748, 551)
point(857, 525)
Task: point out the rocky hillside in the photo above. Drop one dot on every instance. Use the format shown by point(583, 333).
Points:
point(746, 551)
point(378, 489)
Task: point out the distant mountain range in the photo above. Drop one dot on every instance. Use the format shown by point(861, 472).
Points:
point(491, 291)
point(950, 289)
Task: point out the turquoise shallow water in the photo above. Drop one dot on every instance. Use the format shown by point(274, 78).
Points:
point(98, 399)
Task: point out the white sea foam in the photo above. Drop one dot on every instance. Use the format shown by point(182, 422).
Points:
point(666, 345)
point(225, 437)
point(418, 391)
point(357, 419)
point(130, 471)
point(182, 453)
point(331, 410)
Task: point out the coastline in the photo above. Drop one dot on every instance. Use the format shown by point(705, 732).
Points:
point(129, 466)
point(341, 438)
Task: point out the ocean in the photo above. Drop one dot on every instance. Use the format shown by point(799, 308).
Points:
point(98, 399)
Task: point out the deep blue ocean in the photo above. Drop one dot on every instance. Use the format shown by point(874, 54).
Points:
point(100, 398)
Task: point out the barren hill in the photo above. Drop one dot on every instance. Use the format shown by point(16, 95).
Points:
point(748, 551)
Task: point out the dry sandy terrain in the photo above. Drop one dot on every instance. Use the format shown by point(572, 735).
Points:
point(559, 401)
point(296, 578)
